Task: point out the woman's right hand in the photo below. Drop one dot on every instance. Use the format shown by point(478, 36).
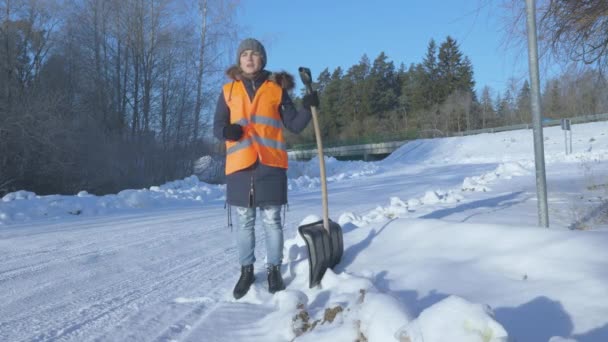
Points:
point(233, 132)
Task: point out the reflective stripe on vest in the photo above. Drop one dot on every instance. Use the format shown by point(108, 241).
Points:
point(262, 128)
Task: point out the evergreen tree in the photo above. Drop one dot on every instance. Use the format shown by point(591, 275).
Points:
point(406, 93)
point(456, 84)
point(355, 98)
point(416, 88)
point(429, 78)
point(383, 86)
point(552, 102)
point(466, 81)
point(330, 102)
point(455, 71)
point(503, 108)
point(323, 80)
point(448, 67)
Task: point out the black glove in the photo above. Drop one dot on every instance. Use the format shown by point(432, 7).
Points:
point(233, 132)
point(311, 99)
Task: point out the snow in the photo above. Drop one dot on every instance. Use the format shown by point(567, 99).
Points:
point(441, 243)
point(454, 319)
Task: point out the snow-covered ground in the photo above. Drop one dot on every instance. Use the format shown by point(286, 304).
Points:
point(441, 243)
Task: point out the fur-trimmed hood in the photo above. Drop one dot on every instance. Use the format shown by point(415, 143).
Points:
point(282, 78)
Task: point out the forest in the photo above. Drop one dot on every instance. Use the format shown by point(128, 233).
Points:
point(376, 101)
point(105, 95)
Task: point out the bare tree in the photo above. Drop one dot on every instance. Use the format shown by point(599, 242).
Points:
point(568, 31)
point(455, 111)
point(577, 29)
point(27, 124)
point(216, 26)
point(117, 80)
point(487, 109)
point(203, 7)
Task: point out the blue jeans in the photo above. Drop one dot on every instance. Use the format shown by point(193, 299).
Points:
point(245, 237)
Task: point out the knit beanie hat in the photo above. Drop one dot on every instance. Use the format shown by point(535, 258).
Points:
point(251, 44)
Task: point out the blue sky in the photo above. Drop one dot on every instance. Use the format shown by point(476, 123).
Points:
point(326, 34)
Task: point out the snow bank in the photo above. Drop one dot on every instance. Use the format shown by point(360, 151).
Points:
point(454, 319)
point(23, 206)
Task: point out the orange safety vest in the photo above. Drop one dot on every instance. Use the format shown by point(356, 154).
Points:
point(262, 127)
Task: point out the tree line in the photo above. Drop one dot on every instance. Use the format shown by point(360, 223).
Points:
point(376, 101)
point(103, 95)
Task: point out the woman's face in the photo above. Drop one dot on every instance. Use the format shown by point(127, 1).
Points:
point(250, 62)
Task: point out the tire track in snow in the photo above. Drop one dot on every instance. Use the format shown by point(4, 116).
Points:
point(178, 273)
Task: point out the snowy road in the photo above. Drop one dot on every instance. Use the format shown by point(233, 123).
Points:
point(151, 275)
point(110, 278)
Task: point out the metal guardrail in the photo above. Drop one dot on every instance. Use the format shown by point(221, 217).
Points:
point(350, 150)
point(404, 136)
point(546, 123)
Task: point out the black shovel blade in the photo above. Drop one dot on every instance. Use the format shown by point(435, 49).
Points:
point(324, 250)
point(337, 245)
point(319, 250)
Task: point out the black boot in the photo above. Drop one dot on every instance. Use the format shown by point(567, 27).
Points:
point(275, 280)
point(247, 278)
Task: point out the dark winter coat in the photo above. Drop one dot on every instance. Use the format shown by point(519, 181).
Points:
point(259, 185)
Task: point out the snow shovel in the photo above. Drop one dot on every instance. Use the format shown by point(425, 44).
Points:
point(323, 238)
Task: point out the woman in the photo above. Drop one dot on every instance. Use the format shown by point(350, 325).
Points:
point(250, 114)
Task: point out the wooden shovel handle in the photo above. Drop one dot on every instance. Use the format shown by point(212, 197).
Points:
point(315, 122)
point(307, 80)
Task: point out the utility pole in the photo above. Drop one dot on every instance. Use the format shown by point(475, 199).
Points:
point(539, 153)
